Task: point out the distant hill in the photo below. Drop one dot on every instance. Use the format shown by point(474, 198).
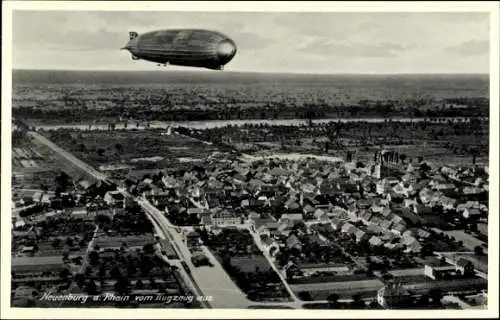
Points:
point(435, 85)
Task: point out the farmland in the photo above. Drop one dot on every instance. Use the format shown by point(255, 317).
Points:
point(122, 152)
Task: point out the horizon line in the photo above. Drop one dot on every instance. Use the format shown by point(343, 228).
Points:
point(261, 72)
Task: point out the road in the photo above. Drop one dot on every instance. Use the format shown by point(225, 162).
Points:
point(68, 156)
point(229, 297)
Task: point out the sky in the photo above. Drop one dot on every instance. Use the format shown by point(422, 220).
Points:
point(298, 42)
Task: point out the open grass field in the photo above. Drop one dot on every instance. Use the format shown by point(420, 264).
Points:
point(129, 151)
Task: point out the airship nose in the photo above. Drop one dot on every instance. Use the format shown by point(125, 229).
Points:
point(226, 50)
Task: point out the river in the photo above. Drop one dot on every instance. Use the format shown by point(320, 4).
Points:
point(141, 125)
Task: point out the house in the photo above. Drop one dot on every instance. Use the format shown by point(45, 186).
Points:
point(46, 199)
point(386, 224)
point(377, 208)
point(34, 266)
point(422, 210)
point(423, 234)
point(84, 184)
point(398, 228)
point(410, 217)
point(365, 216)
point(196, 211)
point(482, 228)
point(292, 217)
point(293, 242)
point(192, 239)
point(291, 270)
point(347, 227)
point(412, 244)
point(337, 212)
point(471, 213)
point(447, 202)
point(465, 266)
point(253, 216)
point(375, 241)
point(291, 204)
point(225, 217)
point(37, 197)
point(375, 229)
point(206, 218)
point(114, 198)
point(321, 201)
point(19, 223)
point(318, 213)
point(336, 223)
point(437, 269)
point(269, 228)
point(360, 235)
point(308, 209)
point(80, 213)
point(392, 246)
point(404, 189)
point(427, 195)
point(244, 203)
point(393, 296)
point(285, 226)
point(472, 190)
point(410, 203)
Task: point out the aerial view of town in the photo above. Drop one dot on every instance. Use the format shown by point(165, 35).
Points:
point(217, 189)
point(313, 212)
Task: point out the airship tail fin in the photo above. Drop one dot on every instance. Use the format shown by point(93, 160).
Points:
point(132, 35)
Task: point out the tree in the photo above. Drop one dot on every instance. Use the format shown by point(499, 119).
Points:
point(115, 272)
point(91, 288)
point(423, 301)
point(102, 219)
point(100, 152)
point(119, 147)
point(122, 286)
point(139, 284)
point(357, 302)
point(94, 257)
point(65, 255)
point(333, 300)
point(56, 243)
point(80, 280)
point(148, 248)
point(478, 250)
point(69, 241)
point(304, 296)
point(64, 274)
point(436, 295)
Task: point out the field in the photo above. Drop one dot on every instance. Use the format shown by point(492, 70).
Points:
point(124, 152)
point(130, 241)
point(250, 264)
point(345, 289)
point(81, 97)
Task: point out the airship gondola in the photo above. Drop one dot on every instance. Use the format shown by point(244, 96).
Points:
point(182, 47)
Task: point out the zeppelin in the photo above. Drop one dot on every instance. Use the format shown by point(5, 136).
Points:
point(187, 47)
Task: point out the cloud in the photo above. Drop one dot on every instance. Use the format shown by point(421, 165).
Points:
point(323, 46)
point(73, 40)
point(466, 16)
point(266, 41)
point(470, 48)
point(250, 41)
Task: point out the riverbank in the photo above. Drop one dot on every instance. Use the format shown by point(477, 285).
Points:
point(141, 125)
